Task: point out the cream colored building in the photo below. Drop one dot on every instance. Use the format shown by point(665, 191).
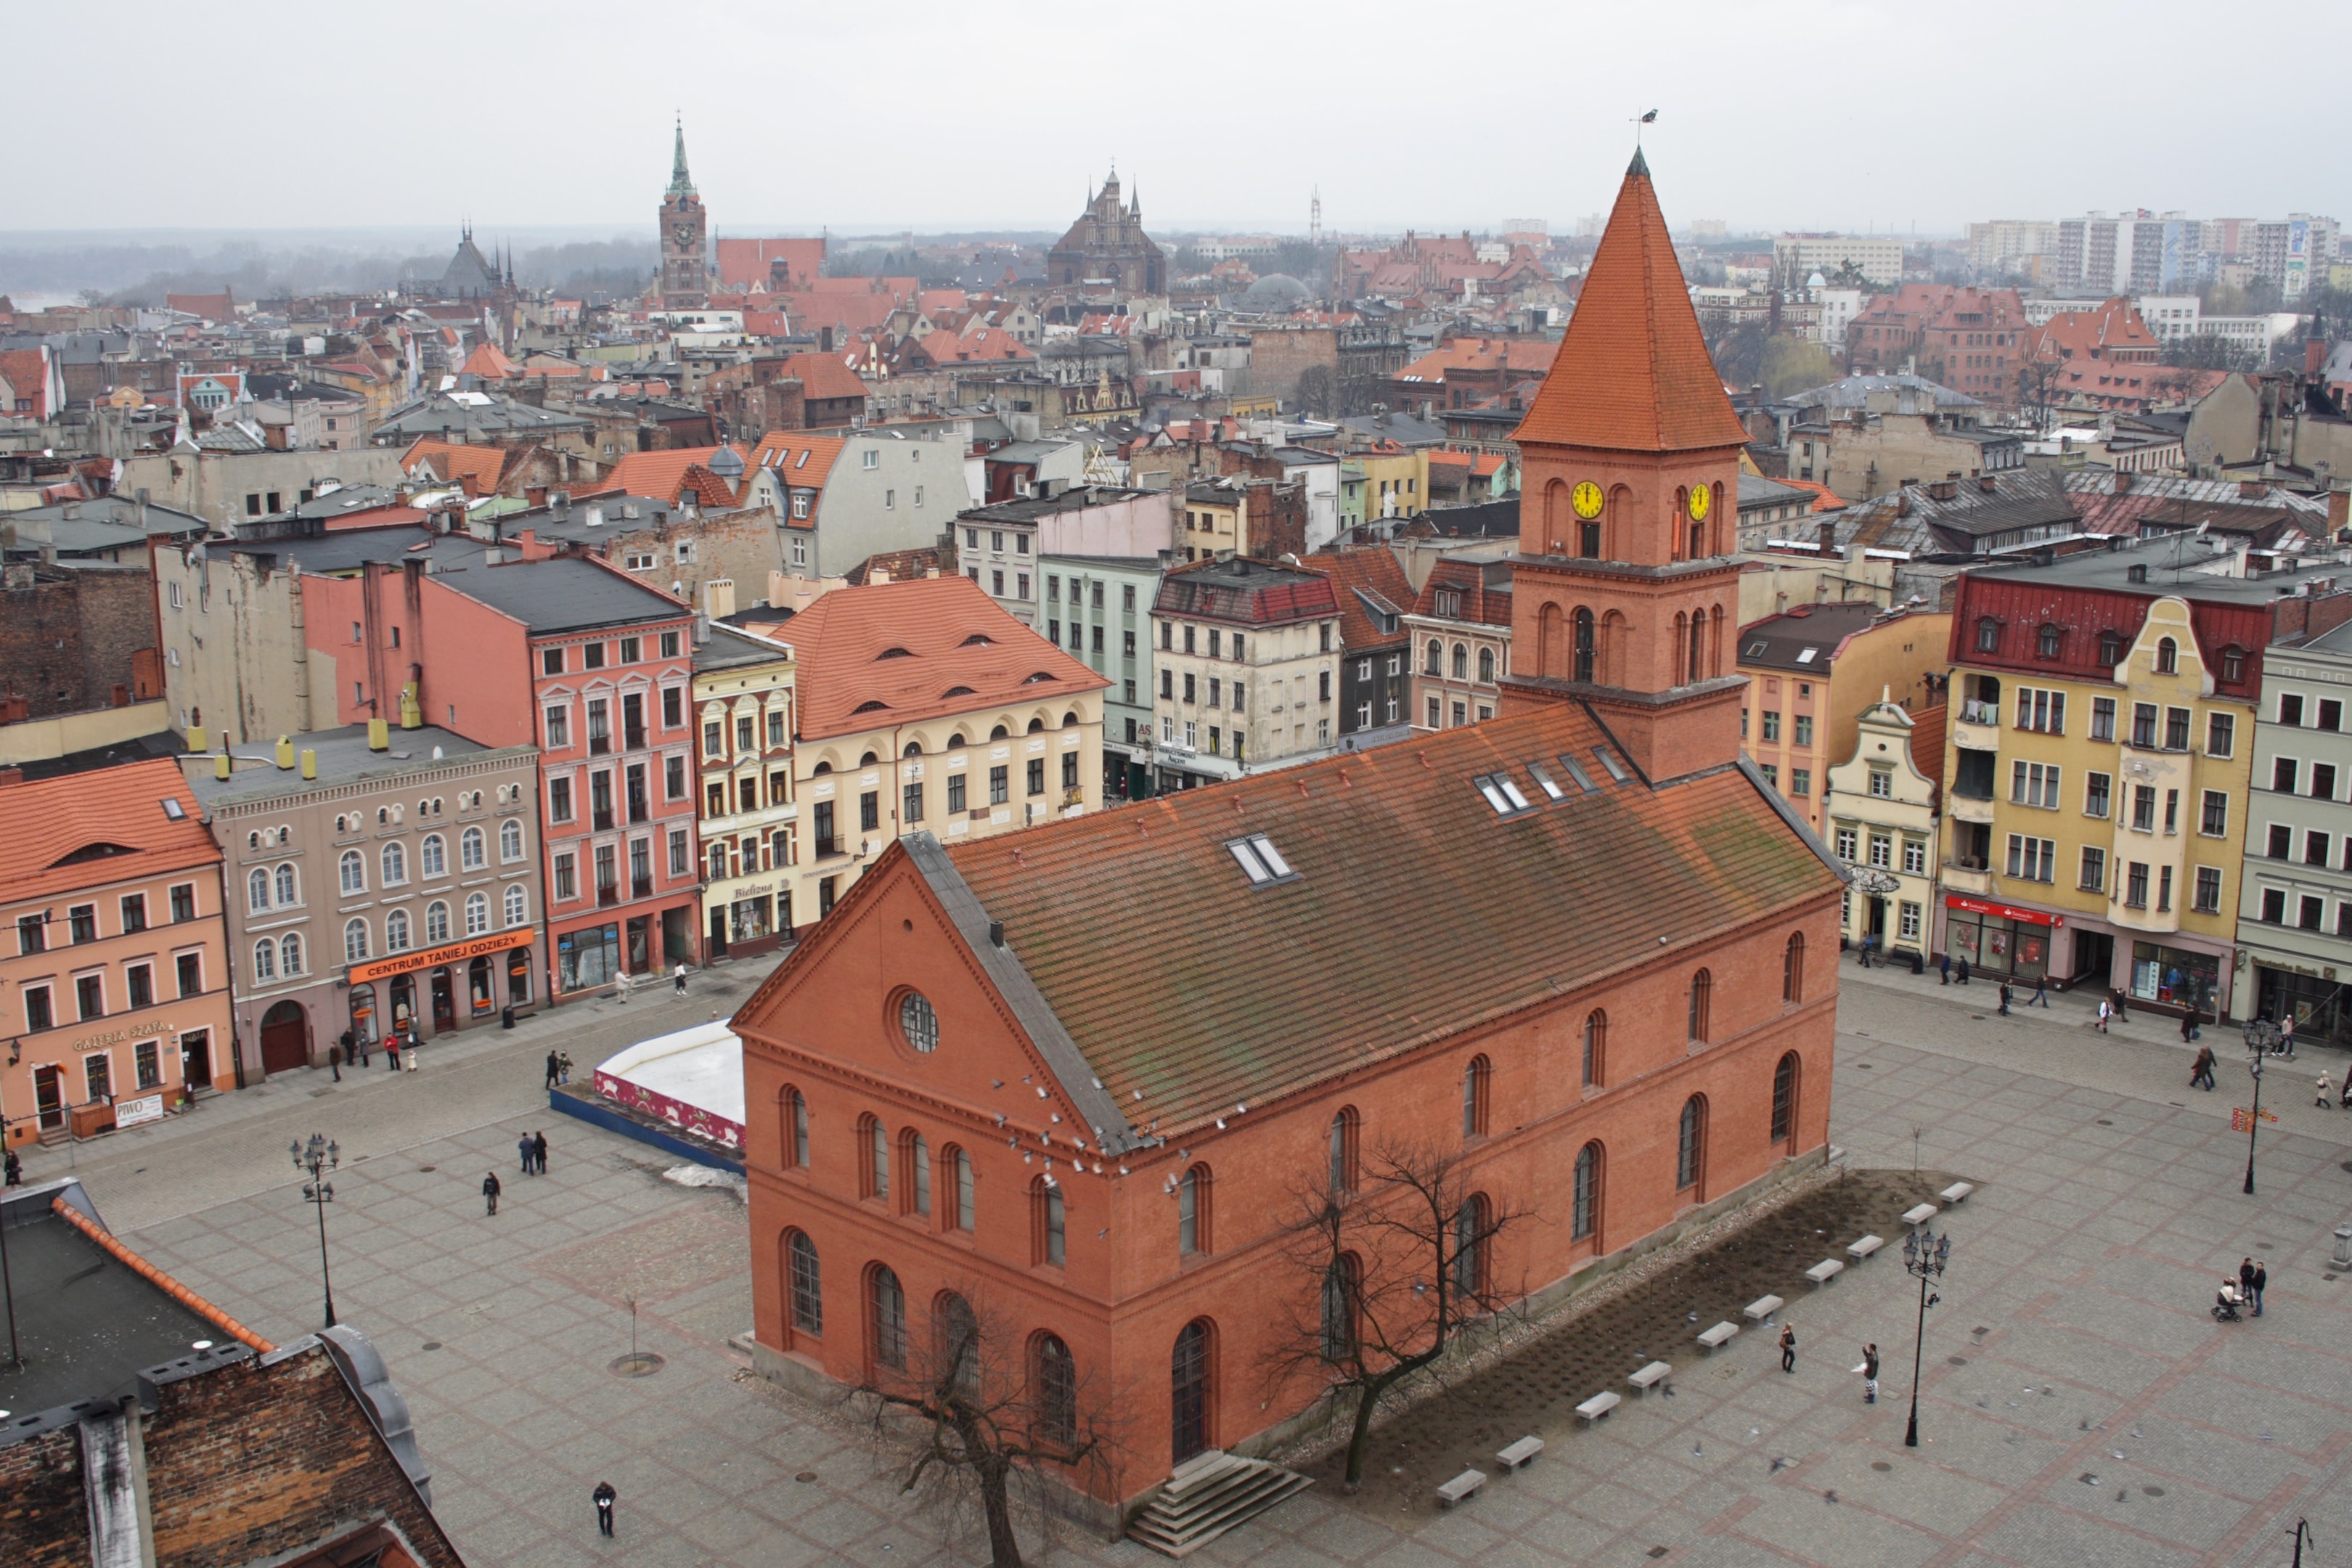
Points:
point(1247, 657)
point(744, 691)
point(1880, 805)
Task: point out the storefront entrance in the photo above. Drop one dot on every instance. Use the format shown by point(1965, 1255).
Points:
point(2322, 1009)
point(640, 944)
point(49, 1098)
point(403, 1004)
point(285, 1037)
point(2094, 959)
point(196, 1059)
point(1997, 939)
point(588, 958)
point(444, 1001)
point(363, 1013)
point(2175, 977)
point(480, 995)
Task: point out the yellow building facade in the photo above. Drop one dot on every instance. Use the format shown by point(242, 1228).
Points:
point(1810, 673)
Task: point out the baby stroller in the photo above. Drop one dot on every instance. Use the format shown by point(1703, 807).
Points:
point(2225, 1304)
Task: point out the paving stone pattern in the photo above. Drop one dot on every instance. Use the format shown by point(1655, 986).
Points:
point(2073, 1329)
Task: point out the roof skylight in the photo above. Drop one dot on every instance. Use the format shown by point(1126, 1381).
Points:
point(1546, 783)
point(1576, 771)
point(1609, 760)
point(1260, 861)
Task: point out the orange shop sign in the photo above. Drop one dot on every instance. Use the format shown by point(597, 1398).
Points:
point(435, 957)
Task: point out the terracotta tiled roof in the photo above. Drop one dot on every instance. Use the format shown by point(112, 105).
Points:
point(1372, 569)
point(79, 830)
point(1927, 744)
point(987, 345)
point(1634, 373)
point(953, 635)
point(1824, 498)
point(1481, 355)
point(801, 460)
point(1468, 580)
point(706, 488)
point(26, 373)
point(489, 363)
point(824, 375)
point(658, 474)
point(745, 262)
point(1402, 869)
point(476, 467)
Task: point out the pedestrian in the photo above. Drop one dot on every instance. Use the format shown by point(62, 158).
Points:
point(2106, 1011)
point(490, 1190)
point(1964, 969)
point(538, 1152)
point(2004, 998)
point(621, 987)
point(1870, 1374)
point(367, 1054)
point(553, 1068)
point(679, 978)
point(605, 1496)
point(1866, 949)
point(2346, 1101)
point(2326, 1092)
point(408, 1062)
point(564, 1068)
point(2287, 1036)
point(392, 1050)
point(524, 1145)
point(2200, 1072)
point(15, 1169)
point(335, 1061)
point(2188, 1027)
point(2246, 1279)
point(2123, 1013)
point(1788, 1348)
point(348, 1046)
point(2041, 992)
point(2261, 1277)
point(1944, 970)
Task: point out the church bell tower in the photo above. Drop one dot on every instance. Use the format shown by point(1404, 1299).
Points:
point(1625, 591)
point(685, 240)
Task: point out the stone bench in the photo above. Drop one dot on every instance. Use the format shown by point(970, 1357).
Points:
point(1762, 1308)
point(1716, 1338)
point(1827, 1270)
point(1921, 1215)
point(1460, 1487)
point(1958, 1192)
point(1519, 1452)
point(1650, 1376)
point(1861, 1250)
point(1600, 1404)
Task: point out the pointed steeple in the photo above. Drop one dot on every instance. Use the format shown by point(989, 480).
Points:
point(681, 183)
point(1633, 374)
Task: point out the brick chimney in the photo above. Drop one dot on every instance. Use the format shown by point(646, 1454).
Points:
point(1827, 534)
point(2314, 355)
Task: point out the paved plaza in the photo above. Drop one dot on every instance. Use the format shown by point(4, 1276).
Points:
point(2079, 1405)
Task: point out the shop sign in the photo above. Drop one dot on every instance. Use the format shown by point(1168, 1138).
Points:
point(435, 957)
point(116, 1037)
point(131, 1112)
point(2006, 911)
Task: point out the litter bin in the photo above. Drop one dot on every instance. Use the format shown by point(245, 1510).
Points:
point(505, 1018)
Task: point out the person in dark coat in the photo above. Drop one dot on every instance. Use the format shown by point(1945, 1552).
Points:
point(491, 1191)
point(2004, 998)
point(554, 1069)
point(16, 1167)
point(523, 1146)
point(351, 1047)
point(538, 1152)
point(2262, 1278)
point(1963, 975)
point(1870, 1374)
point(2200, 1072)
point(1944, 970)
point(604, 1497)
point(1788, 1348)
point(2246, 1279)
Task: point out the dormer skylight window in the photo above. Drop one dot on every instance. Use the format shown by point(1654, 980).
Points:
point(1609, 760)
point(1502, 793)
point(1808, 655)
point(1576, 771)
point(1546, 783)
point(1260, 861)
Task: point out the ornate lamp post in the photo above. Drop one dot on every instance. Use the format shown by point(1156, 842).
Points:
point(2260, 1036)
point(315, 1159)
point(1923, 1255)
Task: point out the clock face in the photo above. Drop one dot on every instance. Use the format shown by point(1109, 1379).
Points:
point(1701, 498)
point(1586, 499)
point(684, 233)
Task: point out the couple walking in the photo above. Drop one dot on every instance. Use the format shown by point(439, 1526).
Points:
point(1869, 1367)
point(532, 1147)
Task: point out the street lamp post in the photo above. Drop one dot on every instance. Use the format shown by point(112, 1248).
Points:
point(1923, 1255)
point(2260, 1036)
point(316, 1158)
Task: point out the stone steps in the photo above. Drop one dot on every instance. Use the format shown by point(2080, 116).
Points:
point(1206, 1496)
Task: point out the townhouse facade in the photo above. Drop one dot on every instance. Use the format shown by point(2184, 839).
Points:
point(1810, 671)
point(1460, 623)
point(1881, 804)
point(1100, 608)
point(744, 690)
point(116, 966)
point(1000, 547)
point(381, 882)
point(2295, 902)
point(1248, 662)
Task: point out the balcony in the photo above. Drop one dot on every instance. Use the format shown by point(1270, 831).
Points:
point(1962, 877)
point(1970, 808)
point(600, 746)
point(1977, 727)
point(641, 888)
point(607, 893)
point(825, 846)
point(603, 819)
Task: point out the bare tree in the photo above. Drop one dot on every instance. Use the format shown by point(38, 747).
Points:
point(983, 1420)
point(1390, 1263)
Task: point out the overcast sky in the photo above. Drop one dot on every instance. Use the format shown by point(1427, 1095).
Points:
point(937, 117)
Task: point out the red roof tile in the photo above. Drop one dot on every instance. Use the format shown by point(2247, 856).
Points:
point(79, 830)
point(1372, 569)
point(824, 375)
point(658, 475)
point(801, 460)
point(1634, 373)
point(906, 646)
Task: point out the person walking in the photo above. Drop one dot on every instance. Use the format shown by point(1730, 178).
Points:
point(1863, 948)
point(552, 1068)
point(2200, 1072)
point(2123, 1013)
point(1870, 1374)
point(2188, 1027)
point(621, 984)
point(392, 1050)
point(538, 1152)
point(1944, 970)
point(346, 1043)
point(367, 1051)
point(15, 1169)
point(564, 1068)
point(2246, 1279)
point(1964, 969)
point(2004, 998)
point(604, 1497)
point(1788, 1348)
point(2106, 1011)
point(523, 1145)
point(2262, 1278)
point(2041, 992)
point(2287, 1036)
point(490, 1190)
point(2326, 1100)
point(678, 977)
point(335, 1060)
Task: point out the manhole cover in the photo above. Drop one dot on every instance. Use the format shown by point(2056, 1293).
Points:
point(430, 1345)
point(2104, 1123)
point(637, 1363)
point(1958, 1360)
point(2151, 1491)
point(1658, 1552)
point(427, 1170)
point(321, 1093)
point(2348, 1167)
point(1881, 1465)
point(805, 1476)
point(2262, 1246)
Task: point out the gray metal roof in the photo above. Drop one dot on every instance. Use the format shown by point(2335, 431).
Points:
point(564, 594)
point(729, 648)
point(343, 758)
point(2179, 565)
point(1854, 391)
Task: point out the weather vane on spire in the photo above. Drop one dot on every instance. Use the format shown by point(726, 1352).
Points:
point(1651, 118)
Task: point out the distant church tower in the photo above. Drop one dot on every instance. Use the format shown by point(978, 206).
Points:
point(685, 240)
point(1315, 220)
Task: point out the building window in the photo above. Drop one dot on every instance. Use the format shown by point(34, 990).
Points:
point(1784, 1098)
point(1049, 1232)
point(2034, 860)
point(888, 1313)
point(355, 940)
point(807, 1279)
point(1596, 1046)
point(1690, 1147)
point(1584, 1214)
point(2103, 718)
point(354, 869)
point(2095, 788)
point(1471, 1231)
point(1475, 1080)
point(2167, 657)
point(1792, 968)
point(2221, 734)
point(1702, 995)
point(1194, 1236)
point(2209, 890)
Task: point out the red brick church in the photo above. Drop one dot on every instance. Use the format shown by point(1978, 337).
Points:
point(1081, 1072)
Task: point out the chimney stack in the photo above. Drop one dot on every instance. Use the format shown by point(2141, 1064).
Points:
point(309, 763)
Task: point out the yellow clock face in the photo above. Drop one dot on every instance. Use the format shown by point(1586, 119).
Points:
point(1700, 499)
point(1586, 499)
